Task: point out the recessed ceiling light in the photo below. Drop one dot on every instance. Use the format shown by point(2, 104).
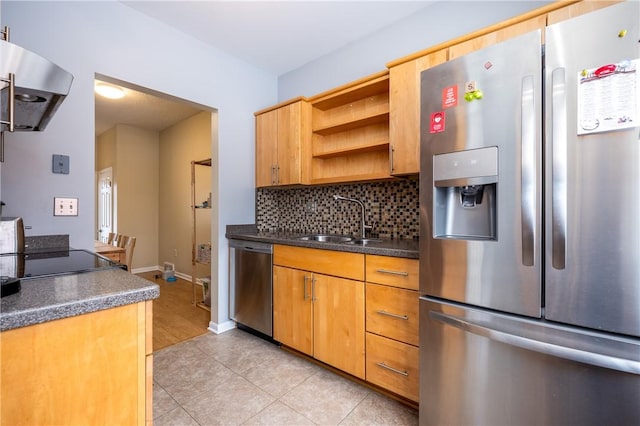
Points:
point(108, 91)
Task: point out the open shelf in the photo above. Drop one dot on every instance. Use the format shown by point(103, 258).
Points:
point(350, 132)
point(361, 89)
point(195, 257)
point(356, 166)
point(376, 146)
point(350, 178)
point(350, 124)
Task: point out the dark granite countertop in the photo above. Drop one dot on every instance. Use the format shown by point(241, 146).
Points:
point(50, 298)
point(386, 247)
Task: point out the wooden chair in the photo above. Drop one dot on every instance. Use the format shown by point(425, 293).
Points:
point(129, 243)
point(112, 237)
point(120, 240)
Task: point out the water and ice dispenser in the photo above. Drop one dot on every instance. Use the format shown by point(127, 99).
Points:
point(465, 205)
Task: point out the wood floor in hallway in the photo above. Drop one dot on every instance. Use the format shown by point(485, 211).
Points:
point(175, 319)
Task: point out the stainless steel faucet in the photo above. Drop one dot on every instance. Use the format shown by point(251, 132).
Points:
point(363, 226)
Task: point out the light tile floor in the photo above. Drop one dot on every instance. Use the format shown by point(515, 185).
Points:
point(236, 378)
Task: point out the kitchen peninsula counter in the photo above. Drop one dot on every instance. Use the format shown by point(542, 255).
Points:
point(78, 349)
point(50, 298)
point(407, 248)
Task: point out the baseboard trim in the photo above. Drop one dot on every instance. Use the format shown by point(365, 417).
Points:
point(145, 269)
point(185, 277)
point(222, 327)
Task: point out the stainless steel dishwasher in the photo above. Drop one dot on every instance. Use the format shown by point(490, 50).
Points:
point(250, 285)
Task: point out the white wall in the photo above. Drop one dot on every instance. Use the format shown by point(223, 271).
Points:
point(114, 40)
point(434, 24)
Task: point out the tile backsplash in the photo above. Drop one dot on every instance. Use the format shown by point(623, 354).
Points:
point(392, 208)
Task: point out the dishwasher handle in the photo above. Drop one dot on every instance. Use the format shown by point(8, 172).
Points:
point(254, 246)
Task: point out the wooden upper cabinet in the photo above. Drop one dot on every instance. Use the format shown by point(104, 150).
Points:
point(497, 36)
point(404, 112)
point(576, 9)
point(282, 142)
point(266, 147)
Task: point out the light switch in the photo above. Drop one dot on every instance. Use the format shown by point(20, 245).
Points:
point(61, 164)
point(65, 206)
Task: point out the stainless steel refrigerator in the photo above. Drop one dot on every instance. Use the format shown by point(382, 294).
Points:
point(530, 228)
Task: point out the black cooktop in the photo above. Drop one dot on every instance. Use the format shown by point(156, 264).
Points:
point(50, 263)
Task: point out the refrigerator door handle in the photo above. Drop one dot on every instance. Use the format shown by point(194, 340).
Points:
point(528, 169)
point(559, 169)
point(592, 358)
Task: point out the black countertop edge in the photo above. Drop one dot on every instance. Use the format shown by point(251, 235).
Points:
point(51, 298)
point(387, 247)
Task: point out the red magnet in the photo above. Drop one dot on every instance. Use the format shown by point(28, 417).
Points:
point(449, 96)
point(437, 122)
point(605, 70)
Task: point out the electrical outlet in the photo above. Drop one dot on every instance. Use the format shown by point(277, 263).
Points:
point(175, 252)
point(65, 206)
point(311, 207)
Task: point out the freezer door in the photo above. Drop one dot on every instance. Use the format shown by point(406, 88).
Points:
point(482, 368)
point(592, 203)
point(481, 178)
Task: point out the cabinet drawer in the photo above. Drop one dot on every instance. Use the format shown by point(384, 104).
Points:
point(329, 262)
point(393, 366)
point(393, 312)
point(394, 271)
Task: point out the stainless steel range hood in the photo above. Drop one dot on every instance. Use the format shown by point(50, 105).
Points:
point(39, 87)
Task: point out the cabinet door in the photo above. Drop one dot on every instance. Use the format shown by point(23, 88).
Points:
point(283, 140)
point(498, 36)
point(289, 134)
point(292, 309)
point(266, 147)
point(404, 112)
point(338, 323)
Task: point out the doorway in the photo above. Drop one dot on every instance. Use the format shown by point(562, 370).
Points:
point(105, 203)
point(148, 140)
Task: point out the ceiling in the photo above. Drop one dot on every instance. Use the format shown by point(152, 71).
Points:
point(145, 110)
point(278, 36)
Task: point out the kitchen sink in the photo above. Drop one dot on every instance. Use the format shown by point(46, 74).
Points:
point(331, 238)
point(327, 238)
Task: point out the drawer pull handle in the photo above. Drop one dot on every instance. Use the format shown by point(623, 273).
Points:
point(386, 271)
point(389, 314)
point(383, 365)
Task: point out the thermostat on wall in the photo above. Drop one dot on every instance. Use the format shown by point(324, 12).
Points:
point(61, 164)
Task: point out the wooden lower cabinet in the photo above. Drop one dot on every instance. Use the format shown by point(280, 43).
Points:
point(317, 313)
point(321, 316)
point(367, 330)
point(338, 323)
point(292, 309)
point(393, 365)
point(393, 323)
point(89, 369)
